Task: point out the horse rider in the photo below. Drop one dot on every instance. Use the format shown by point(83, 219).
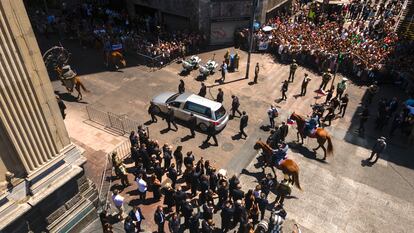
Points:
point(318, 110)
point(281, 153)
point(311, 125)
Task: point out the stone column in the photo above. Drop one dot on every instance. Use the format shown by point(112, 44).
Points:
point(28, 108)
point(49, 190)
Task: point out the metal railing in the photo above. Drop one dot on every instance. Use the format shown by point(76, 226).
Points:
point(121, 123)
point(123, 151)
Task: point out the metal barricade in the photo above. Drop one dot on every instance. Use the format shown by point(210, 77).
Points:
point(123, 151)
point(97, 116)
point(120, 123)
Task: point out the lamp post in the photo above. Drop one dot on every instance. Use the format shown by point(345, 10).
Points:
point(336, 68)
point(253, 15)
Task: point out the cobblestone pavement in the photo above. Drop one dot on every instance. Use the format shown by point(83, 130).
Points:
point(339, 195)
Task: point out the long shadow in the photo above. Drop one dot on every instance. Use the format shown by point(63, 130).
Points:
point(399, 149)
point(301, 149)
point(223, 83)
point(258, 175)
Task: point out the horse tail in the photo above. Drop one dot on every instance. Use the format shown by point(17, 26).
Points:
point(296, 179)
point(81, 85)
point(330, 146)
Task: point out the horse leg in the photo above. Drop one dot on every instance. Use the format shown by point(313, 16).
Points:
point(315, 149)
point(79, 92)
point(324, 152)
point(274, 172)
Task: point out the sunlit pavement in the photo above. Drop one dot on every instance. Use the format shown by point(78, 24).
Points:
point(339, 195)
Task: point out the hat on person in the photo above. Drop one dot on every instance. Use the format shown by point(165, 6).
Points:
point(383, 138)
point(344, 79)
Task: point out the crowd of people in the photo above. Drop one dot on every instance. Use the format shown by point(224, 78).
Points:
point(360, 36)
point(195, 190)
point(102, 27)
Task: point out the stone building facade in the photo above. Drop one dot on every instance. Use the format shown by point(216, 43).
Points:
point(218, 19)
point(42, 182)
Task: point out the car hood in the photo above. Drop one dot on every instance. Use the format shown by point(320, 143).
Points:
point(163, 97)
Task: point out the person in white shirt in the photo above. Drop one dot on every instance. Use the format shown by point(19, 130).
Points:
point(119, 203)
point(272, 113)
point(142, 187)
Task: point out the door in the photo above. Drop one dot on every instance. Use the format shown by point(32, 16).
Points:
point(178, 111)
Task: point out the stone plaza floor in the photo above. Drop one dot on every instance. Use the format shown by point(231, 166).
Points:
point(340, 195)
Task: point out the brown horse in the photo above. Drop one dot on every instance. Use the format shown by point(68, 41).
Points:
point(117, 59)
point(287, 166)
point(70, 84)
point(321, 135)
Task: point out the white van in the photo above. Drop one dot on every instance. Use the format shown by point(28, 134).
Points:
point(206, 111)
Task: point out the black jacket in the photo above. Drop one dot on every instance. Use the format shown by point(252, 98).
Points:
point(206, 228)
point(235, 103)
point(211, 130)
point(244, 120)
point(195, 223)
point(238, 194)
point(203, 91)
point(180, 197)
point(172, 174)
point(187, 209)
point(220, 97)
point(170, 115)
point(132, 214)
point(192, 122)
point(227, 214)
point(158, 217)
point(189, 160)
point(284, 129)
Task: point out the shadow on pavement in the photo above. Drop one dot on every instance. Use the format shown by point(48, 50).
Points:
point(399, 149)
point(301, 149)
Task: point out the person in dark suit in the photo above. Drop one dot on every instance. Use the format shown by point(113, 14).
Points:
point(136, 215)
point(174, 223)
point(285, 87)
point(283, 129)
point(171, 118)
point(235, 104)
point(192, 124)
point(179, 197)
point(256, 72)
point(178, 156)
point(187, 211)
point(181, 87)
point(207, 226)
point(238, 194)
point(263, 202)
point(243, 124)
point(159, 219)
point(172, 174)
point(151, 111)
point(194, 222)
point(227, 216)
point(211, 133)
point(240, 214)
point(203, 90)
point(220, 96)
point(129, 225)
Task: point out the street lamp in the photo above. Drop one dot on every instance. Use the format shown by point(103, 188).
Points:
point(253, 16)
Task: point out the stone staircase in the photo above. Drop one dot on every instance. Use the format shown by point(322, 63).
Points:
point(406, 25)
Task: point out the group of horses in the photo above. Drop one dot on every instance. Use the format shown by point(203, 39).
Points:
point(288, 166)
